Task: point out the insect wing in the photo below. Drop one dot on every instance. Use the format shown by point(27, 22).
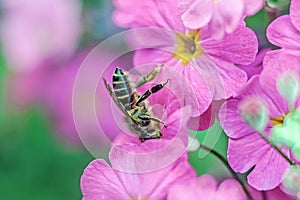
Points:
point(114, 97)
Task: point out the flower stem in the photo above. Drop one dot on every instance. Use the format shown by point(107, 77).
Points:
point(264, 195)
point(224, 161)
point(263, 135)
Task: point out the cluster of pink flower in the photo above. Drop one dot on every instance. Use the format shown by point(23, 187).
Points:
point(208, 44)
point(209, 55)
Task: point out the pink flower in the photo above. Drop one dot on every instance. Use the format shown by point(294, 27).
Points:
point(37, 30)
point(285, 30)
point(221, 16)
point(206, 64)
point(206, 187)
point(246, 148)
point(100, 181)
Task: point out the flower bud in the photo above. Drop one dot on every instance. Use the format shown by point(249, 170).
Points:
point(288, 87)
point(255, 113)
point(291, 181)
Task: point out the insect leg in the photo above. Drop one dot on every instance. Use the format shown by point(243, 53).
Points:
point(149, 77)
point(148, 117)
point(150, 91)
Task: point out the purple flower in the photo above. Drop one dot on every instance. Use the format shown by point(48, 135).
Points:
point(285, 30)
point(206, 64)
point(37, 30)
point(100, 181)
point(221, 16)
point(246, 147)
point(206, 187)
point(256, 66)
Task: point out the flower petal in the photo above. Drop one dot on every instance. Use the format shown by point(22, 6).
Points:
point(282, 33)
point(195, 189)
point(294, 13)
point(253, 6)
point(244, 153)
point(231, 12)
point(268, 172)
point(232, 122)
point(99, 181)
point(240, 47)
point(252, 150)
point(152, 184)
point(197, 14)
point(196, 87)
point(224, 79)
point(256, 66)
point(230, 188)
point(275, 64)
point(146, 157)
point(151, 13)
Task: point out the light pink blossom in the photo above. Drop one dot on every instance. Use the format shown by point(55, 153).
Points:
point(209, 69)
point(33, 31)
point(100, 181)
point(221, 16)
point(206, 187)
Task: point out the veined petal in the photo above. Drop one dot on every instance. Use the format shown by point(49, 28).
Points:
point(197, 14)
point(294, 13)
point(282, 33)
point(224, 79)
point(197, 87)
point(268, 172)
point(232, 122)
point(231, 12)
point(275, 64)
point(240, 47)
point(99, 181)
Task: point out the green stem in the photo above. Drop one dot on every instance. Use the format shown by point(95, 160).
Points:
point(277, 149)
point(264, 195)
point(224, 161)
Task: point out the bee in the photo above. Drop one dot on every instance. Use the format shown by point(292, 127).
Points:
point(134, 106)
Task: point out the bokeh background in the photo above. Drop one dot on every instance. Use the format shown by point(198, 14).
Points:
point(43, 44)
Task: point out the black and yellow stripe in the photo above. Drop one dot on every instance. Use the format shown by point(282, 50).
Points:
point(121, 86)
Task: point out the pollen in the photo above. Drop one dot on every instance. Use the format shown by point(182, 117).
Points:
point(278, 121)
point(187, 46)
point(137, 198)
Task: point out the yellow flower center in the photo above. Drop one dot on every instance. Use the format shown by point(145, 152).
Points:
point(278, 121)
point(187, 46)
point(137, 198)
point(216, 1)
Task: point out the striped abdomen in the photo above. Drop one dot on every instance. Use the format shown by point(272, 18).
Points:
point(121, 86)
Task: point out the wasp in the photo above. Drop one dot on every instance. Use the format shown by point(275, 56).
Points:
point(134, 106)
